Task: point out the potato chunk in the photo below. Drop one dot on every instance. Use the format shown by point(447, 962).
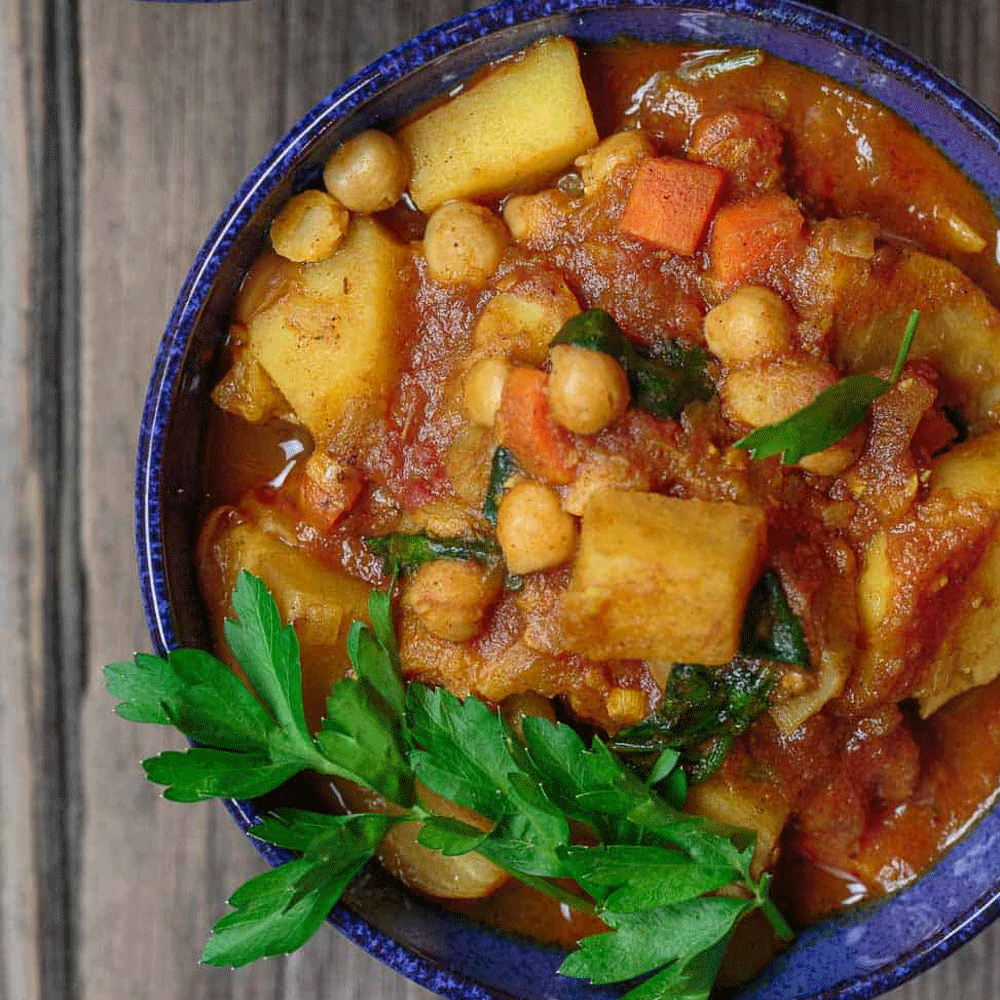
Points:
point(523, 122)
point(659, 578)
point(929, 594)
point(320, 601)
point(741, 796)
point(967, 656)
point(330, 343)
point(959, 327)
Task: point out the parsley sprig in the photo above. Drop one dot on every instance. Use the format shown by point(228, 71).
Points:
point(650, 873)
point(831, 416)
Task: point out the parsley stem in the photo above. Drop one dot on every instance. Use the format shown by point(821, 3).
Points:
point(545, 887)
point(904, 347)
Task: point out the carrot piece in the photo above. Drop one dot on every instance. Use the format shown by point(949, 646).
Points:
point(751, 235)
point(525, 426)
point(671, 203)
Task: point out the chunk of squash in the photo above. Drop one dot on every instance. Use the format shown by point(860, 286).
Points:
point(658, 578)
point(525, 121)
point(330, 343)
point(320, 601)
point(959, 330)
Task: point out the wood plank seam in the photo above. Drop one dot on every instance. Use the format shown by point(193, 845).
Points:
point(53, 157)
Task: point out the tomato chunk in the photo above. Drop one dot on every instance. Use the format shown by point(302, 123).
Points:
point(671, 203)
point(752, 235)
point(746, 144)
point(525, 426)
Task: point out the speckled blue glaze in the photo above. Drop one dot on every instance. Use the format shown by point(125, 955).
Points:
point(853, 958)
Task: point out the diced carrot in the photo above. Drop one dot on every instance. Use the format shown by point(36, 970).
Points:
point(750, 236)
point(525, 426)
point(671, 203)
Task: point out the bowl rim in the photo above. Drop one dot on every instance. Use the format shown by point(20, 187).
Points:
point(386, 70)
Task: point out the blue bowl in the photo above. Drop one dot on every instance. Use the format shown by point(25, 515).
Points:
point(860, 955)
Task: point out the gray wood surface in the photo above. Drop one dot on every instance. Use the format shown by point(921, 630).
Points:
point(126, 127)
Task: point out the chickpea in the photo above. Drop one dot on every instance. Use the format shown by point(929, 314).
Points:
point(484, 389)
point(368, 173)
point(616, 152)
point(535, 216)
point(587, 389)
point(752, 323)
point(463, 243)
point(517, 707)
point(310, 227)
point(768, 391)
point(451, 597)
point(838, 457)
point(533, 530)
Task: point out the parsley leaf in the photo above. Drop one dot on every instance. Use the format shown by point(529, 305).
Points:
point(830, 417)
point(199, 774)
point(466, 758)
point(662, 382)
point(193, 691)
point(629, 879)
point(277, 912)
point(360, 728)
point(642, 942)
point(268, 653)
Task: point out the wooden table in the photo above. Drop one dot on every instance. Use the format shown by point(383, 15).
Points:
point(126, 127)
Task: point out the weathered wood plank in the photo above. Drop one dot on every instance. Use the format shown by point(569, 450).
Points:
point(20, 531)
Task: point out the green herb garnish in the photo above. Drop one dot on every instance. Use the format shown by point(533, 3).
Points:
point(646, 879)
point(408, 551)
point(702, 711)
point(501, 469)
point(662, 383)
point(771, 631)
point(830, 417)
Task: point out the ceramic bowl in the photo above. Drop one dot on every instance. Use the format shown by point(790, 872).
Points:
point(860, 955)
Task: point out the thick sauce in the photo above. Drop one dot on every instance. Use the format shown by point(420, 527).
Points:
point(872, 803)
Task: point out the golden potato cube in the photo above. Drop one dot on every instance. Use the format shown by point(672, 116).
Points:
point(319, 601)
point(739, 795)
point(958, 332)
point(658, 578)
point(967, 656)
point(330, 343)
point(523, 317)
point(524, 121)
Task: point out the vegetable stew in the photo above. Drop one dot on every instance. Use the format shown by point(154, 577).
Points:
point(660, 387)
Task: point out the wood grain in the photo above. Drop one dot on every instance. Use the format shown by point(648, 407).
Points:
point(126, 127)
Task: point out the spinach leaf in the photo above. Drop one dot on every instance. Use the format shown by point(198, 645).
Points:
point(501, 470)
point(702, 710)
point(662, 382)
point(770, 630)
point(408, 551)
